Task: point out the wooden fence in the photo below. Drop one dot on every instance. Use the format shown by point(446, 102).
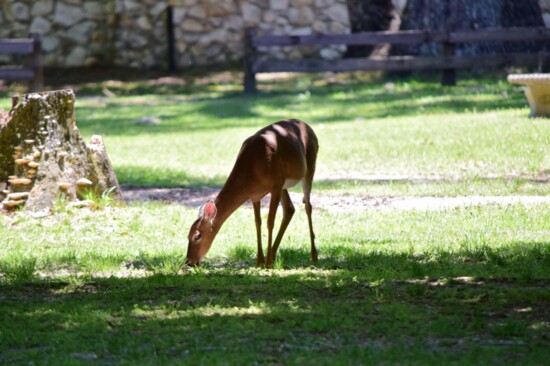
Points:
point(31, 71)
point(447, 62)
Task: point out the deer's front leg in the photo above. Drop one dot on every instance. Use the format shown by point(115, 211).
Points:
point(275, 198)
point(288, 212)
point(260, 260)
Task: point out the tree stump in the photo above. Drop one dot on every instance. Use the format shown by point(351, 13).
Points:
point(43, 156)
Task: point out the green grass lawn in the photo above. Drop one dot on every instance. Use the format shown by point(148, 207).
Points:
point(469, 134)
point(467, 286)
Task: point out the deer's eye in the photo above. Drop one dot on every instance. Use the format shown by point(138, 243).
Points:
point(197, 236)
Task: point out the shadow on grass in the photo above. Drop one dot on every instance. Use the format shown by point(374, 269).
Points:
point(353, 307)
point(384, 104)
point(522, 260)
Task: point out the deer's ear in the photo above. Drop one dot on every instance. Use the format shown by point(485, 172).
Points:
point(208, 210)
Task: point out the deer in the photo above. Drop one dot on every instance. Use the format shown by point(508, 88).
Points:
point(274, 159)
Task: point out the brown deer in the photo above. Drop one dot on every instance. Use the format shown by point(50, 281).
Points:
point(274, 159)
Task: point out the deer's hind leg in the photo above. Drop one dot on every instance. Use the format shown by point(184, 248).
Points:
point(306, 187)
point(273, 205)
point(288, 212)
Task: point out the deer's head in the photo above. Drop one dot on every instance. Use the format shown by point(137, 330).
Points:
point(202, 233)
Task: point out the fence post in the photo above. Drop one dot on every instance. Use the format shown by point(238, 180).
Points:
point(37, 83)
point(249, 58)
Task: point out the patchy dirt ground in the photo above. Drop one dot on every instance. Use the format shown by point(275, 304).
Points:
point(196, 197)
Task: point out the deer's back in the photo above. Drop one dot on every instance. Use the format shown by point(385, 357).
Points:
point(283, 151)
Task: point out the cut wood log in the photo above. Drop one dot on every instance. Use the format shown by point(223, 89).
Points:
point(43, 155)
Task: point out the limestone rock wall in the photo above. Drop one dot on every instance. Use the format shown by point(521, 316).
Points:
point(75, 32)
point(140, 37)
point(134, 33)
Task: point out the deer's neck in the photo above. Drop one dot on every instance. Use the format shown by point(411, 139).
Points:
point(232, 195)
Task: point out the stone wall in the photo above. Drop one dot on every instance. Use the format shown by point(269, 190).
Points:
point(75, 32)
point(140, 37)
point(134, 33)
point(211, 30)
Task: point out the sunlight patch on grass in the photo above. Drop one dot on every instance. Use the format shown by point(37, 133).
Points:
point(252, 310)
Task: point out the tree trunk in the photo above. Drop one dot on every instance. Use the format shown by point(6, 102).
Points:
point(43, 156)
point(454, 15)
point(368, 16)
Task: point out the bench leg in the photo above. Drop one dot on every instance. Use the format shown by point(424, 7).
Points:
point(249, 81)
point(538, 97)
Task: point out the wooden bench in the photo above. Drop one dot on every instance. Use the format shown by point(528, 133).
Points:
point(537, 91)
point(447, 61)
point(31, 71)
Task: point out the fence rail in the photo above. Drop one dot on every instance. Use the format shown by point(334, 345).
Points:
point(447, 62)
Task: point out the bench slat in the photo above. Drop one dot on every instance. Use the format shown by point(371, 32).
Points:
point(16, 73)
point(16, 46)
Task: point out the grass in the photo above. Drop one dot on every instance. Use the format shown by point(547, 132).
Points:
point(460, 286)
point(468, 135)
point(474, 137)
point(466, 286)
